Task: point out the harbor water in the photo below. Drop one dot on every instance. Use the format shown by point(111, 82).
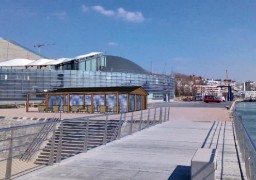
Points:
point(248, 112)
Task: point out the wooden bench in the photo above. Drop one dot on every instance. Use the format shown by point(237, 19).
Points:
point(90, 109)
point(74, 108)
point(41, 108)
point(103, 108)
point(65, 108)
point(55, 108)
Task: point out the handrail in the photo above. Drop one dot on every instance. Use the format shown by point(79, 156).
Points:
point(248, 135)
point(28, 125)
point(50, 121)
point(247, 146)
point(42, 135)
point(117, 128)
point(16, 140)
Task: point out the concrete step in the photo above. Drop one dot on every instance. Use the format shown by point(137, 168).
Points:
point(74, 135)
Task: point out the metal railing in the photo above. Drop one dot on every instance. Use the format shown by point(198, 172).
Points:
point(39, 139)
point(246, 146)
point(29, 147)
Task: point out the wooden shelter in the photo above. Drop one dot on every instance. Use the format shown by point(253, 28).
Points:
point(93, 99)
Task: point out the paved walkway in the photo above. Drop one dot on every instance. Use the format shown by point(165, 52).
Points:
point(160, 152)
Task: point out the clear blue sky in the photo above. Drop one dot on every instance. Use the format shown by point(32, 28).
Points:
point(201, 37)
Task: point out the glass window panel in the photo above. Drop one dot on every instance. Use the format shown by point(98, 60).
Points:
point(87, 100)
point(93, 61)
point(123, 102)
point(82, 65)
point(88, 65)
point(110, 101)
point(138, 102)
point(76, 100)
point(131, 103)
point(55, 100)
point(97, 101)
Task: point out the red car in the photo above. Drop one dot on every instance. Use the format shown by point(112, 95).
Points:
point(208, 99)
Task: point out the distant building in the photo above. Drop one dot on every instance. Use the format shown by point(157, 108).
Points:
point(211, 90)
point(249, 86)
point(211, 82)
point(26, 74)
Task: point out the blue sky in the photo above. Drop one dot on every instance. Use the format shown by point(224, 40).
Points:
point(201, 37)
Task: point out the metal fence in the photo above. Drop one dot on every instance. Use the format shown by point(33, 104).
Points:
point(29, 147)
point(246, 146)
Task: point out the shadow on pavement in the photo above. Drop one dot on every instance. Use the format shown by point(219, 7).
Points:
point(181, 173)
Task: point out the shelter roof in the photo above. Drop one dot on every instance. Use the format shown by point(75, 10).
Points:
point(123, 89)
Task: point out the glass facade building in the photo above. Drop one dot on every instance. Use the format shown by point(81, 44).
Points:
point(98, 71)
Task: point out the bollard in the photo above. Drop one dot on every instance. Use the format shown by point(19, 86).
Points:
point(204, 164)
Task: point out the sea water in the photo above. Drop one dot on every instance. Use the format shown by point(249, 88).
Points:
point(248, 112)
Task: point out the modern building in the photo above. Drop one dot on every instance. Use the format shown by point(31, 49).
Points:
point(19, 77)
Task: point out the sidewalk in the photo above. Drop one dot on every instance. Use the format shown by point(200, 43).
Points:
point(160, 152)
point(176, 113)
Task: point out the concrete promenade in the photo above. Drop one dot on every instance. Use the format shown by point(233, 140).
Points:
point(160, 152)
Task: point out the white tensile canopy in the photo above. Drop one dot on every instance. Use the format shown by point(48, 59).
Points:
point(44, 62)
point(58, 61)
point(16, 62)
point(88, 55)
point(40, 62)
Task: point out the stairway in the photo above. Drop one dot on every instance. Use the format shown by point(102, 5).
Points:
point(73, 138)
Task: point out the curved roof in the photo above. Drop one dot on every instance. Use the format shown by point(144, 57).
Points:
point(119, 64)
point(16, 62)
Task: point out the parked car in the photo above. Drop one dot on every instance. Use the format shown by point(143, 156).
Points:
point(215, 99)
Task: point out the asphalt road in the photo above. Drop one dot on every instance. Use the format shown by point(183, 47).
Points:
point(193, 104)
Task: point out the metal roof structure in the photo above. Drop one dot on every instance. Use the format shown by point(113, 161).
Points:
point(119, 64)
point(123, 89)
